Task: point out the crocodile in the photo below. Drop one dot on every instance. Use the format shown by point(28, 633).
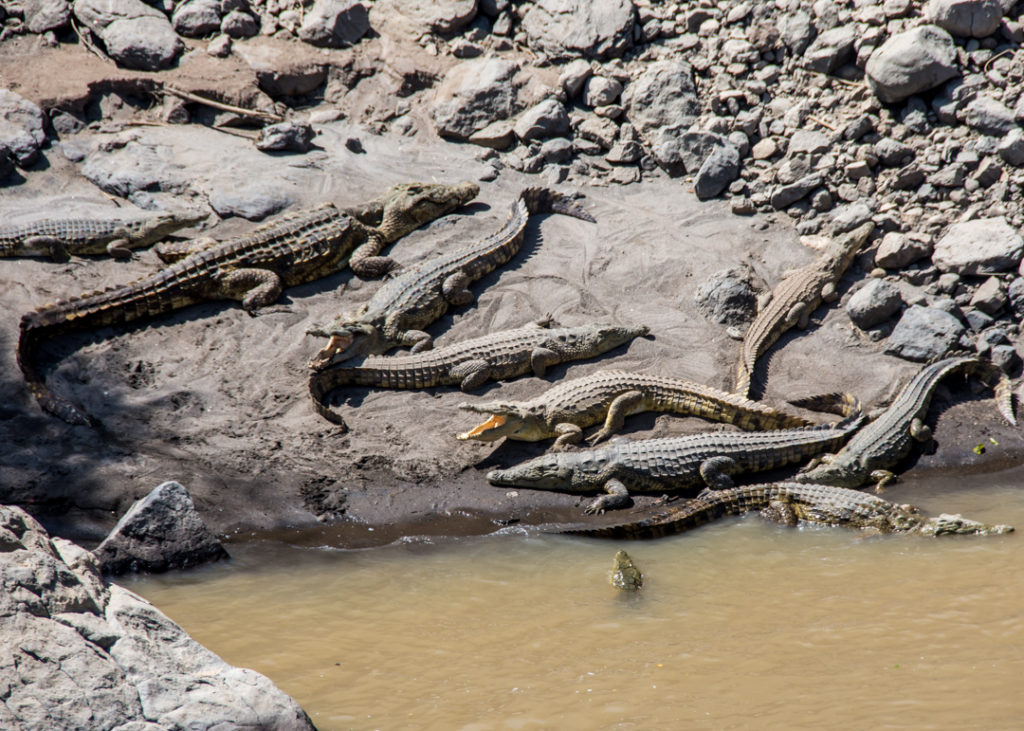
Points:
point(654, 465)
point(788, 503)
point(565, 409)
point(59, 238)
point(625, 574)
point(471, 363)
point(398, 311)
point(885, 442)
point(795, 298)
point(294, 248)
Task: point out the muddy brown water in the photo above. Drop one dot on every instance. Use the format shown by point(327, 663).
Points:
point(740, 624)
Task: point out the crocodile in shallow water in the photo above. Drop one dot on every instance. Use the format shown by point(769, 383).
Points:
point(670, 463)
point(625, 574)
point(564, 410)
point(419, 295)
point(886, 441)
point(471, 363)
point(294, 248)
point(59, 238)
point(795, 298)
point(788, 503)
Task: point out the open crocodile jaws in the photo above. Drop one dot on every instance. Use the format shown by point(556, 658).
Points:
point(788, 503)
point(655, 465)
point(883, 443)
point(291, 249)
point(471, 363)
point(399, 311)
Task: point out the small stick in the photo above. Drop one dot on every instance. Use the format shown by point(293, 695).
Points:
point(223, 107)
point(826, 125)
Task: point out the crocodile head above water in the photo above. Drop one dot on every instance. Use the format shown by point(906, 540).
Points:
point(947, 524)
point(625, 574)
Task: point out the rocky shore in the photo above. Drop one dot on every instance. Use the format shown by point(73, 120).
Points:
point(718, 145)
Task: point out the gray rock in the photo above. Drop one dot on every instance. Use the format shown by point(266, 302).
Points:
point(239, 24)
point(968, 18)
point(897, 250)
point(133, 168)
point(21, 128)
point(253, 200)
point(219, 47)
point(727, 297)
point(555, 150)
point(7, 162)
point(681, 151)
point(978, 321)
point(564, 29)
point(573, 76)
point(831, 49)
point(599, 91)
point(990, 116)
point(981, 246)
point(474, 94)
point(44, 15)
point(910, 62)
point(1011, 148)
point(286, 137)
point(599, 130)
point(950, 176)
point(159, 532)
point(721, 167)
point(282, 70)
point(797, 31)
point(893, 152)
point(98, 14)
point(989, 297)
point(848, 217)
point(547, 119)
point(1015, 293)
point(874, 303)
point(1006, 358)
point(497, 135)
point(414, 17)
point(334, 23)
point(146, 44)
point(663, 95)
point(808, 142)
point(197, 18)
point(923, 334)
point(786, 195)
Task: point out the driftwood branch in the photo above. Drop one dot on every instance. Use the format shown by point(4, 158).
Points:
point(189, 96)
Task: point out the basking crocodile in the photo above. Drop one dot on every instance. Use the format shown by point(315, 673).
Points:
point(419, 295)
point(655, 465)
point(887, 440)
point(625, 574)
point(58, 238)
point(565, 409)
point(294, 248)
point(472, 363)
point(788, 503)
point(795, 298)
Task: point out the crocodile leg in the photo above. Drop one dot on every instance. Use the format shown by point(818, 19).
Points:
point(920, 431)
point(120, 248)
point(568, 434)
point(254, 287)
point(474, 374)
point(780, 510)
point(541, 358)
point(455, 289)
point(617, 498)
point(714, 472)
point(365, 260)
point(50, 244)
point(829, 293)
point(172, 251)
point(393, 332)
point(882, 478)
point(619, 408)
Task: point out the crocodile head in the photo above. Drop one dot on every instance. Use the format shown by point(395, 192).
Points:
point(834, 473)
point(167, 222)
point(408, 206)
point(347, 340)
point(511, 420)
point(947, 524)
point(596, 339)
point(556, 471)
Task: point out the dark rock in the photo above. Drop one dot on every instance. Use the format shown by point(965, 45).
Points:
point(981, 246)
point(557, 149)
point(908, 177)
point(563, 29)
point(334, 23)
point(681, 151)
point(286, 137)
point(1006, 358)
point(893, 152)
point(197, 18)
point(911, 62)
point(923, 334)
point(978, 320)
point(1015, 292)
point(831, 49)
point(160, 532)
point(21, 128)
point(473, 95)
point(727, 297)
point(354, 144)
point(1011, 148)
point(239, 24)
point(786, 195)
point(44, 15)
point(989, 297)
point(967, 18)
point(874, 303)
point(663, 95)
point(721, 167)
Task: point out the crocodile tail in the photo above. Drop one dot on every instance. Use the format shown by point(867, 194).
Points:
point(742, 381)
point(1004, 398)
point(841, 403)
point(545, 200)
point(31, 337)
point(322, 383)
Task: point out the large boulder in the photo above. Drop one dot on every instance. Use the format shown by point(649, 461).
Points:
point(565, 29)
point(334, 23)
point(474, 94)
point(911, 62)
point(981, 246)
point(413, 18)
point(135, 35)
point(968, 18)
point(923, 334)
point(44, 15)
point(197, 18)
point(159, 532)
point(663, 95)
point(874, 303)
point(21, 128)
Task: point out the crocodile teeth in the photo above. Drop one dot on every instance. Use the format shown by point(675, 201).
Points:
point(493, 423)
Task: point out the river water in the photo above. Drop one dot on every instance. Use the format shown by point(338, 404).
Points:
point(740, 624)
